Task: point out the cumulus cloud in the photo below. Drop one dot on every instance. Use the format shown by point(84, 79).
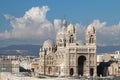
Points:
point(98, 25)
point(57, 24)
point(80, 33)
point(32, 25)
point(106, 35)
point(7, 16)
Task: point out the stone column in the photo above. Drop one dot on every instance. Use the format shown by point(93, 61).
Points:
point(76, 63)
point(88, 63)
point(95, 63)
point(67, 62)
point(87, 67)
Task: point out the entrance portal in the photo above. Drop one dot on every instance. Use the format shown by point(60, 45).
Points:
point(71, 71)
point(91, 71)
point(81, 61)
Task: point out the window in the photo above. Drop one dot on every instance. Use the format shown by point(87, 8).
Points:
point(71, 40)
point(91, 39)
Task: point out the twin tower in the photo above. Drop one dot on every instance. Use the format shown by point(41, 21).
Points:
point(67, 35)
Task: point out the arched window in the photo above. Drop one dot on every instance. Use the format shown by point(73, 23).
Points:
point(64, 43)
point(71, 40)
point(91, 39)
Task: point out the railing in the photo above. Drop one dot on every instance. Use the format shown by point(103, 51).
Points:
point(82, 50)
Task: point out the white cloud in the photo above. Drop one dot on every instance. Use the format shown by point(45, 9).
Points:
point(5, 35)
point(80, 32)
point(32, 25)
point(7, 16)
point(57, 24)
point(98, 25)
point(107, 35)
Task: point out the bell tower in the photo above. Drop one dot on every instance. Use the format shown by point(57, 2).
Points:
point(90, 35)
point(71, 34)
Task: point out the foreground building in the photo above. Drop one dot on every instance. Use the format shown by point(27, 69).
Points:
point(9, 64)
point(108, 64)
point(66, 57)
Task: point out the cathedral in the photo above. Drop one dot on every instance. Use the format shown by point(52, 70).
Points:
point(66, 57)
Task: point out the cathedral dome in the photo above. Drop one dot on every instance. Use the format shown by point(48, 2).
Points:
point(48, 44)
point(90, 29)
point(70, 28)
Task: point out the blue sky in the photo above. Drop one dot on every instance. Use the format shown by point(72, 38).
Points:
point(82, 12)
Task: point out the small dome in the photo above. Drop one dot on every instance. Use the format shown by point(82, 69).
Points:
point(90, 29)
point(48, 44)
point(71, 27)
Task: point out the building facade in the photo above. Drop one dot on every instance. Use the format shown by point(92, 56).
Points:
point(9, 64)
point(67, 57)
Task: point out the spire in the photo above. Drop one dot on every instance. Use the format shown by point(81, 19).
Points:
point(65, 23)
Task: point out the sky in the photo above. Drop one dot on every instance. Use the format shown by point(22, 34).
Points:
point(34, 21)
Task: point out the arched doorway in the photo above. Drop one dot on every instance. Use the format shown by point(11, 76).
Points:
point(71, 71)
point(91, 71)
point(81, 60)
